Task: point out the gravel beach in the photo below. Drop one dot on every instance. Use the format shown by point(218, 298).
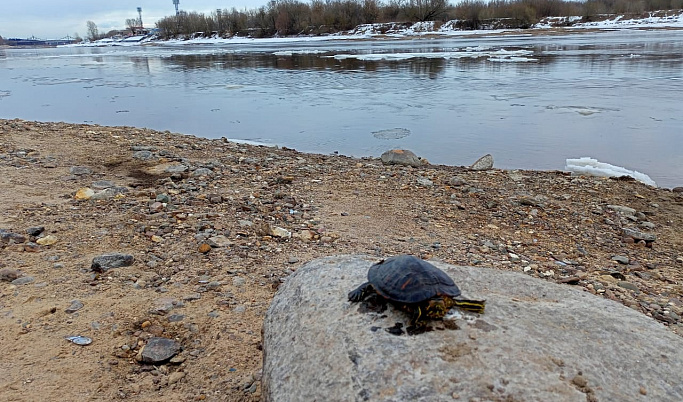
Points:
point(164, 250)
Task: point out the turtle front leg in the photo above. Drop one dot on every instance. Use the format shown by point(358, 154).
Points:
point(361, 292)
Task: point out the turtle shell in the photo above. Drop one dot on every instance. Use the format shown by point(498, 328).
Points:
point(408, 279)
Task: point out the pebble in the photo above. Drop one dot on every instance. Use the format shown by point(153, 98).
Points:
point(84, 193)
point(75, 306)
point(35, 230)
point(9, 275)
point(202, 172)
point(102, 184)
point(143, 155)
point(622, 209)
point(158, 350)
point(621, 259)
point(175, 377)
point(104, 262)
point(23, 280)
point(80, 170)
point(424, 182)
point(628, 285)
point(47, 240)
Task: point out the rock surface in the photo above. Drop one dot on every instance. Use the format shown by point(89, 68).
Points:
point(536, 341)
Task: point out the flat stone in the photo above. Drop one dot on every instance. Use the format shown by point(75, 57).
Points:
point(628, 285)
point(10, 237)
point(84, 193)
point(530, 344)
point(80, 170)
point(622, 209)
point(483, 163)
point(47, 240)
point(24, 280)
point(107, 261)
point(202, 172)
point(402, 157)
point(159, 350)
point(35, 230)
point(75, 306)
point(108, 193)
point(9, 274)
point(101, 184)
point(176, 169)
point(621, 259)
point(425, 182)
point(638, 235)
point(143, 155)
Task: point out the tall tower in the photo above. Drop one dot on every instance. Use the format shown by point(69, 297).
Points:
point(140, 16)
point(175, 3)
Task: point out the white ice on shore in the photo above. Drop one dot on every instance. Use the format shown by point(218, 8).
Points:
point(592, 167)
point(398, 30)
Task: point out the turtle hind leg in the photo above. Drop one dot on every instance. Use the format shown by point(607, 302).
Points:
point(361, 292)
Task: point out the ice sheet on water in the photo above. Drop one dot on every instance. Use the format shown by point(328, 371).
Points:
point(592, 167)
point(391, 134)
point(493, 55)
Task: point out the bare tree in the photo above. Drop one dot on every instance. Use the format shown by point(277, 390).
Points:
point(93, 34)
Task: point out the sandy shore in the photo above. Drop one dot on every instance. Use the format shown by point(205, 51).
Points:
point(214, 227)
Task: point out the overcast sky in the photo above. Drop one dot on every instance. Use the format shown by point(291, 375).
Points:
point(56, 19)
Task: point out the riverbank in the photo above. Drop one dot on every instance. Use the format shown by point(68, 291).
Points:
point(215, 226)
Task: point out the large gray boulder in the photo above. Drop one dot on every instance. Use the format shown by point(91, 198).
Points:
point(537, 341)
point(402, 157)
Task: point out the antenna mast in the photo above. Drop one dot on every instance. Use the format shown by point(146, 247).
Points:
point(140, 16)
point(175, 3)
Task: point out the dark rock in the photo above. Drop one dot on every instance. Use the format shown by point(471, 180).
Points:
point(10, 237)
point(159, 350)
point(35, 231)
point(104, 262)
point(102, 184)
point(638, 235)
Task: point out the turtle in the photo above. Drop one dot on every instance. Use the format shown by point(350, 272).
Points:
point(416, 286)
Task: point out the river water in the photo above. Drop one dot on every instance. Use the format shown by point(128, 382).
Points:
point(530, 101)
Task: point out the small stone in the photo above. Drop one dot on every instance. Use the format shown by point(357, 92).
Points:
point(47, 240)
point(580, 381)
point(280, 232)
point(638, 235)
point(622, 209)
point(104, 262)
point(156, 206)
point(294, 260)
point(176, 169)
point(643, 391)
point(202, 172)
point(628, 285)
point(175, 377)
point(35, 231)
point(80, 170)
point(514, 257)
point(158, 350)
point(10, 237)
point(204, 248)
point(75, 306)
point(84, 193)
point(9, 275)
point(163, 198)
point(31, 247)
point(483, 163)
point(102, 184)
point(143, 155)
point(621, 259)
point(157, 239)
point(425, 182)
point(23, 280)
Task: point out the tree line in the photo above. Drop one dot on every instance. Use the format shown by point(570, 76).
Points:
point(318, 17)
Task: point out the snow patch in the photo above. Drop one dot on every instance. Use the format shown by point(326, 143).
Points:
point(592, 167)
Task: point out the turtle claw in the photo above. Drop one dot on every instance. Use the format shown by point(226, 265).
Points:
point(360, 292)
